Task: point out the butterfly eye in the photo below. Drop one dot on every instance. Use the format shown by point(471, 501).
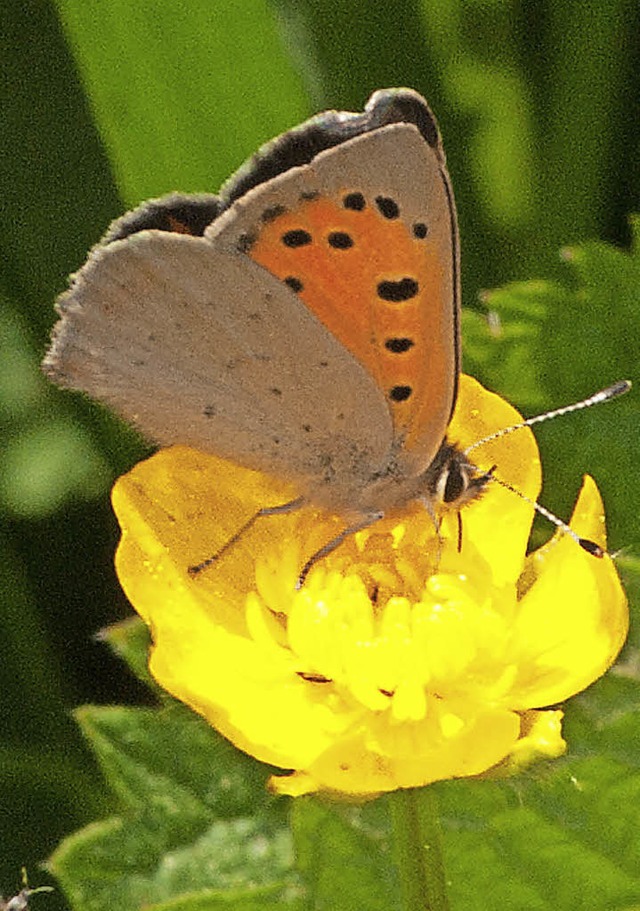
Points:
point(452, 479)
point(453, 483)
point(455, 480)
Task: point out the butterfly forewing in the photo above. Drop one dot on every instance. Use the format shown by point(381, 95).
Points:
point(366, 236)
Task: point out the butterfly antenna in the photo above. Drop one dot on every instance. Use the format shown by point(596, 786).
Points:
point(605, 395)
point(590, 546)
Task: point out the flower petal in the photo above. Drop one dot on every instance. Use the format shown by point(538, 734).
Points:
point(498, 524)
point(180, 507)
point(202, 653)
point(353, 766)
point(573, 620)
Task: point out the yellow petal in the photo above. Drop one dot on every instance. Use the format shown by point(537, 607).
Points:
point(540, 738)
point(353, 766)
point(498, 524)
point(182, 506)
point(201, 653)
point(573, 620)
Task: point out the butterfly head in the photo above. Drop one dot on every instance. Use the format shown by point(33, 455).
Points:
point(452, 479)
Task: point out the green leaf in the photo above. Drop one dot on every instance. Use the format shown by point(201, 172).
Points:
point(587, 343)
point(603, 720)
point(196, 818)
point(497, 343)
point(260, 899)
point(629, 567)
point(130, 640)
point(540, 846)
point(590, 315)
point(46, 457)
point(172, 107)
point(544, 344)
point(587, 313)
point(344, 857)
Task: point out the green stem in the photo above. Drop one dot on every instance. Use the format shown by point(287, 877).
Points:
point(418, 850)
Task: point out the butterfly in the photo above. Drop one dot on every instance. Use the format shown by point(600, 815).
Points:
point(305, 322)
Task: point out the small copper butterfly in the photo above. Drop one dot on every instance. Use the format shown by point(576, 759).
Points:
point(305, 322)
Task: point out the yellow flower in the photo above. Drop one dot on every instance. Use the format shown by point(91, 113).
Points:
point(402, 660)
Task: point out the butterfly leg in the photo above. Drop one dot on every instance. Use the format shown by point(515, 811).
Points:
point(331, 545)
point(279, 510)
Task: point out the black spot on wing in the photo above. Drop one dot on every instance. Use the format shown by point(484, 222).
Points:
point(387, 207)
point(398, 291)
point(272, 212)
point(245, 242)
point(399, 345)
point(354, 201)
point(296, 238)
point(340, 240)
point(400, 393)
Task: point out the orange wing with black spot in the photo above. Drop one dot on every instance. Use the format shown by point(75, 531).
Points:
point(366, 236)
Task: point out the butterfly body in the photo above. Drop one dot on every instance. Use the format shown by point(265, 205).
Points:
point(304, 323)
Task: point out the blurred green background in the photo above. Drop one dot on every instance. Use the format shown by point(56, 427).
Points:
point(106, 103)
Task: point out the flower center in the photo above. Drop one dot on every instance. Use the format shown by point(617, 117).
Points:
point(389, 646)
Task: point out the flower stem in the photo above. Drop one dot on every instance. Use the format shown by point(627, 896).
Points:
point(418, 852)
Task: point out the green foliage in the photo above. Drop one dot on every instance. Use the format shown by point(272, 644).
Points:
point(182, 127)
point(106, 104)
point(49, 458)
point(196, 821)
point(364, 877)
point(572, 335)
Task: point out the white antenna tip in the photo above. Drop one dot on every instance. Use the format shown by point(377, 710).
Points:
point(619, 388)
